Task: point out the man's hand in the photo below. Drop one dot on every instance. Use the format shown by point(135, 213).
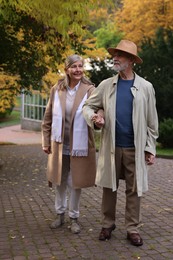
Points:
point(47, 149)
point(98, 120)
point(149, 158)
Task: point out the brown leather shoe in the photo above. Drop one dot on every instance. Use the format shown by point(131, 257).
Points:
point(105, 233)
point(135, 239)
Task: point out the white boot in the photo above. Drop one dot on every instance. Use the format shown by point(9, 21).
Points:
point(59, 221)
point(75, 228)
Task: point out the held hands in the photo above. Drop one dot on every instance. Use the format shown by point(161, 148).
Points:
point(98, 120)
point(149, 158)
point(47, 149)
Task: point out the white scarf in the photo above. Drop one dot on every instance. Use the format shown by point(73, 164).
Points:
point(80, 128)
point(57, 120)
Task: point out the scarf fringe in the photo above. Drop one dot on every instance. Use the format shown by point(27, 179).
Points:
point(79, 153)
point(56, 139)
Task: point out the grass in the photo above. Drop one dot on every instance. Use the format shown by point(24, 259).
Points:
point(13, 119)
point(164, 151)
point(18, 102)
point(97, 139)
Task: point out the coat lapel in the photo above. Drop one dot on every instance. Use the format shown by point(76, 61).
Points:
point(82, 90)
point(62, 97)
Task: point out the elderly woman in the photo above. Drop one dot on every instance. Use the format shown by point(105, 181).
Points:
point(68, 141)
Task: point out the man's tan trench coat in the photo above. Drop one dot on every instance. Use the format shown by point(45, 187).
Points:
point(83, 169)
point(145, 125)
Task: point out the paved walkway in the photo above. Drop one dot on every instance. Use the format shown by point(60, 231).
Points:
point(27, 208)
point(16, 135)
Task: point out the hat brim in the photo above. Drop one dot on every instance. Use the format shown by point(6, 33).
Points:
point(112, 53)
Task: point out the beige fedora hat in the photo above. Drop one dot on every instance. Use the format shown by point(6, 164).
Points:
point(128, 47)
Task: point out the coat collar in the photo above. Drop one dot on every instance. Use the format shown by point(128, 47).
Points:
point(135, 83)
point(113, 85)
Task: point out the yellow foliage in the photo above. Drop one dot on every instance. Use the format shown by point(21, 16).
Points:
point(20, 35)
point(139, 19)
point(6, 81)
point(8, 92)
point(49, 80)
point(99, 53)
point(66, 17)
point(99, 16)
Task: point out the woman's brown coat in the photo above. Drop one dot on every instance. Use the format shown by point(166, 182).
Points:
point(83, 169)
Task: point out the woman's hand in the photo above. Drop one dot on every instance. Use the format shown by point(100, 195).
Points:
point(47, 149)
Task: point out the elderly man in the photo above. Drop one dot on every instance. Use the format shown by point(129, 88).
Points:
point(128, 139)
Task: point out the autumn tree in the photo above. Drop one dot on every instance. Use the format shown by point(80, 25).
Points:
point(140, 19)
point(35, 38)
point(35, 35)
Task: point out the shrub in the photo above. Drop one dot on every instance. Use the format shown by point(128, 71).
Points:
point(6, 113)
point(166, 133)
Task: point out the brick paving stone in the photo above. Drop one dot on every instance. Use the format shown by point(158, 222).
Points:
point(27, 209)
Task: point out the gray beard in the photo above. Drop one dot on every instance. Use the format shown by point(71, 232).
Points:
point(120, 68)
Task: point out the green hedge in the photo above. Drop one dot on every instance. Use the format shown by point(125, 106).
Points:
point(166, 133)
